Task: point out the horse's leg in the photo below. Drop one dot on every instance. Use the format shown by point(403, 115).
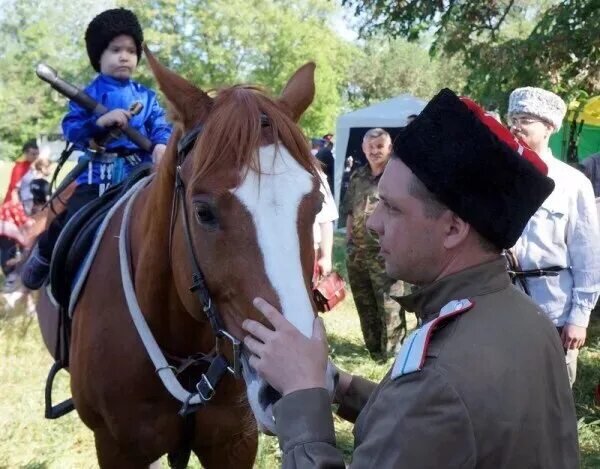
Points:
point(112, 455)
point(234, 454)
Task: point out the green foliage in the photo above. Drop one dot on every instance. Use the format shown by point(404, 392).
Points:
point(34, 31)
point(385, 68)
point(212, 43)
point(206, 42)
point(504, 44)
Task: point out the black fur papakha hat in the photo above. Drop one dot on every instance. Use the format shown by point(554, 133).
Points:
point(478, 173)
point(108, 25)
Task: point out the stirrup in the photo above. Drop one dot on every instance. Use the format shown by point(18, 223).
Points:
point(53, 412)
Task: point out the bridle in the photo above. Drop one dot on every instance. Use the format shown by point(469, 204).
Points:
point(219, 364)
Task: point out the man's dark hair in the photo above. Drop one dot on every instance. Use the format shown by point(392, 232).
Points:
point(30, 145)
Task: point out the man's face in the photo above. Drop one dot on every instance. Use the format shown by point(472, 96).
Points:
point(532, 130)
point(119, 59)
point(377, 150)
point(411, 243)
point(31, 154)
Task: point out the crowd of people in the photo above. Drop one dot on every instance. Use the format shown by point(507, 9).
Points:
point(495, 240)
point(27, 192)
point(555, 261)
point(441, 225)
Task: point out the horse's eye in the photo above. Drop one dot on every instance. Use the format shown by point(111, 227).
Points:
point(205, 215)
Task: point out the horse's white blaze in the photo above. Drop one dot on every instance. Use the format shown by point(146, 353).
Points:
point(273, 203)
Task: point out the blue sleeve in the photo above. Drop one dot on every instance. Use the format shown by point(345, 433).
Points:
point(159, 130)
point(79, 125)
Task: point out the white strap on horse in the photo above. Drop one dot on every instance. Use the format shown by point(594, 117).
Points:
point(163, 369)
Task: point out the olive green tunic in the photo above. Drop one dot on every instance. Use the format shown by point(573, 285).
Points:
point(493, 392)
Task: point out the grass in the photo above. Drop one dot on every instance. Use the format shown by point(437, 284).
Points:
point(27, 440)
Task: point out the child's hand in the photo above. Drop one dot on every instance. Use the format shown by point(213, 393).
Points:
point(116, 117)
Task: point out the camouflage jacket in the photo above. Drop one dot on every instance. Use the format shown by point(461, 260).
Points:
point(360, 202)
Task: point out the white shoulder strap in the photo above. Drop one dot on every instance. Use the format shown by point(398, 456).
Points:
point(411, 356)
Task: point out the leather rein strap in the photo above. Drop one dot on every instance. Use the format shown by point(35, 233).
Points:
point(219, 365)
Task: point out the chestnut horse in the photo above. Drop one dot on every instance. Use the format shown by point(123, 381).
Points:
point(250, 199)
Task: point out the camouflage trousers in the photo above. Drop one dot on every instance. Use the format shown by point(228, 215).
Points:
point(384, 323)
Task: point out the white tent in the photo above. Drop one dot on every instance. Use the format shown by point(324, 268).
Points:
point(390, 113)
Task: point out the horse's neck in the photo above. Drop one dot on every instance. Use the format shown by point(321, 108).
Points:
point(175, 330)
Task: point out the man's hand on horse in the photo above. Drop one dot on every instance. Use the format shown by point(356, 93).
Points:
point(284, 357)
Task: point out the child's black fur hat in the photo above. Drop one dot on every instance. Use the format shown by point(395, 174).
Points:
point(108, 25)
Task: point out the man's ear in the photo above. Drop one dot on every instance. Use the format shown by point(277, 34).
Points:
point(456, 230)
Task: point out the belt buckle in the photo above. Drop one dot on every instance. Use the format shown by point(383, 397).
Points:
point(211, 392)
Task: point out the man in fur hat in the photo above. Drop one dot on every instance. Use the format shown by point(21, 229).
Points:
point(481, 383)
point(558, 254)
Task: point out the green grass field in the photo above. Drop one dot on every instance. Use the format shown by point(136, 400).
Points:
point(27, 440)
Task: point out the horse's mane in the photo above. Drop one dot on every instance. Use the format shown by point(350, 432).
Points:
point(233, 133)
point(231, 138)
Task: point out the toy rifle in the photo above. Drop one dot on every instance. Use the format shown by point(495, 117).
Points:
point(50, 76)
point(75, 94)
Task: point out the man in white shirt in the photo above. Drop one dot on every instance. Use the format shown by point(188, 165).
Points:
point(323, 230)
point(559, 250)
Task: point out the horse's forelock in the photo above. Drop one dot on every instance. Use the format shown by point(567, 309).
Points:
point(233, 134)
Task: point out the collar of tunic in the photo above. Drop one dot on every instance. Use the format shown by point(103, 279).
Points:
point(426, 302)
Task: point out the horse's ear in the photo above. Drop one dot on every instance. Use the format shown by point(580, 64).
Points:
point(299, 91)
point(189, 103)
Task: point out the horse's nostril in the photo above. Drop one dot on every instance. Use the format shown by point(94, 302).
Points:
point(268, 395)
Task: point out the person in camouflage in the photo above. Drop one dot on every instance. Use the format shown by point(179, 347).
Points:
point(383, 322)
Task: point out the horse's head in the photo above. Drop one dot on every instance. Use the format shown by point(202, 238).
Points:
point(252, 193)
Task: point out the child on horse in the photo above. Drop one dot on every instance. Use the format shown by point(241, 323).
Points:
point(114, 45)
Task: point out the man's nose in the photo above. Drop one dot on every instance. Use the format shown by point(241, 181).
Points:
point(373, 222)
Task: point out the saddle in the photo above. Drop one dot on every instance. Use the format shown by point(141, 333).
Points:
point(77, 237)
